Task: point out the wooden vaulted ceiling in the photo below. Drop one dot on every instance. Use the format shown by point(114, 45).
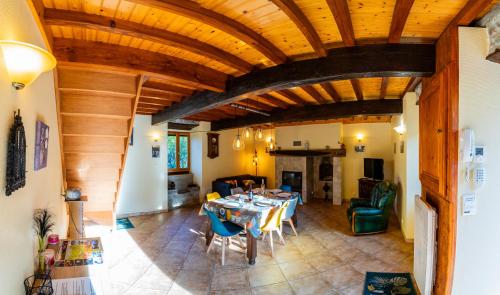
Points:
point(183, 47)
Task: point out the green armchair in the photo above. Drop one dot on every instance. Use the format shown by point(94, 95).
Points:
point(368, 216)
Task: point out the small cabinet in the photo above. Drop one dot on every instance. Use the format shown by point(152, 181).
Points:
point(213, 145)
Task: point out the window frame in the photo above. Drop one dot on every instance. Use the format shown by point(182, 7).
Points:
point(177, 152)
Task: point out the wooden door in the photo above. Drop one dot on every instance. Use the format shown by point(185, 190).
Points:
point(432, 133)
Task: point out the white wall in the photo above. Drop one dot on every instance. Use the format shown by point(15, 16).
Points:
point(144, 187)
point(477, 265)
point(377, 138)
point(43, 187)
point(318, 135)
point(406, 165)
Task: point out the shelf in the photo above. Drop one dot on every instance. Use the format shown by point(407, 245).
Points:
point(310, 153)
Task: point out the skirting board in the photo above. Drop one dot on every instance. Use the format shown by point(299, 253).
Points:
point(141, 213)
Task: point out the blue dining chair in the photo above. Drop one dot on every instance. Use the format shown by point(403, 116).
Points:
point(225, 230)
point(287, 216)
point(286, 188)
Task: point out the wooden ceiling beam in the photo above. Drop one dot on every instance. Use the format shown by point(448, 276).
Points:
point(357, 89)
point(292, 96)
point(309, 89)
point(331, 91)
point(159, 94)
point(59, 17)
point(193, 10)
point(274, 100)
point(172, 89)
point(382, 60)
point(255, 104)
point(469, 12)
point(232, 111)
point(302, 22)
point(383, 87)
point(342, 16)
point(141, 61)
point(316, 112)
point(411, 85)
point(399, 17)
point(160, 102)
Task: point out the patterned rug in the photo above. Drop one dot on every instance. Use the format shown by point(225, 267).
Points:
point(123, 223)
point(387, 283)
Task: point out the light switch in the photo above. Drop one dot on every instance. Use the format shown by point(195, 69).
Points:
point(469, 204)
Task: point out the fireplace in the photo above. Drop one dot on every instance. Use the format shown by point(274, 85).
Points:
point(293, 179)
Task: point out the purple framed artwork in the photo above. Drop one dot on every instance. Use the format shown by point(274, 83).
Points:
point(41, 145)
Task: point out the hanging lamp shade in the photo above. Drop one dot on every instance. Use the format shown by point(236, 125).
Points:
point(271, 144)
point(25, 62)
point(238, 143)
point(259, 135)
point(247, 133)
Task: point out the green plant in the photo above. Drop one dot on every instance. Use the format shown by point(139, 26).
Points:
point(43, 224)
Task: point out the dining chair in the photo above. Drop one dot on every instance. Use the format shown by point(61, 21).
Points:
point(213, 196)
point(225, 230)
point(286, 188)
point(237, 190)
point(288, 213)
point(273, 224)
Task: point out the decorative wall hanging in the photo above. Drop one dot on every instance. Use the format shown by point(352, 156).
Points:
point(155, 151)
point(16, 156)
point(213, 145)
point(41, 145)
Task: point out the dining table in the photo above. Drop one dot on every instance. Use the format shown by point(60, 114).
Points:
point(250, 213)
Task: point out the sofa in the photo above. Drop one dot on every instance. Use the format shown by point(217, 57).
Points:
point(368, 216)
point(224, 185)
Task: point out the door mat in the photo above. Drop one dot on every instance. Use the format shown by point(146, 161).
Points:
point(387, 283)
point(124, 223)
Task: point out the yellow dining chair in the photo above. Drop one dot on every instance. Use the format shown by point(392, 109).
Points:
point(213, 196)
point(273, 224)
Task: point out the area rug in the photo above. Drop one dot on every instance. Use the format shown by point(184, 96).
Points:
point(387, 283)
point(124, 223)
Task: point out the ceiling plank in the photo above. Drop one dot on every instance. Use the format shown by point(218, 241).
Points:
point(274, 100)
point(383, 87)
point(331, 91)
point(160, 102)
point(302, 22)
point(141, 61)
point(340, 11)
point(173, 89)
point(357, 89)
point(411, 85)
point(316, 112)
point(382, 60)
point(255, 104)
point(469, 12)
point(309, 89)
point(159, 94)
point(399, 17)
point(193, 10)
point(59, 17)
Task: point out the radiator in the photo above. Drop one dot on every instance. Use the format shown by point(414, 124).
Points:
point(424, 260)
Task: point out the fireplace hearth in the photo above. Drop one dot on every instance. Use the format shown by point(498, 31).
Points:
point(293, 179)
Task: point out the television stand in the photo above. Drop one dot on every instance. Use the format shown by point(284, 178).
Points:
point(365, 186)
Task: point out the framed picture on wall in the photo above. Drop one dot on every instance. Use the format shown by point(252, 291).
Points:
point(155, 151)
point(41, 145)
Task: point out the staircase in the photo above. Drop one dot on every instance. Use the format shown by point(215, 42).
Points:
point(96, 112)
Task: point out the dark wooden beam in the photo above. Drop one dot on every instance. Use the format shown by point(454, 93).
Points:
point(357, 89)
point(59, 17)
point(316, 112)
point(274, 100)
point(309, 89)
point(383, 87)
point(292, 96)
point(340, 11)
point(181, 126)
point(399, 17)
point(193, 10)
point(381, 60)
point(331, 91)
point(302, 22)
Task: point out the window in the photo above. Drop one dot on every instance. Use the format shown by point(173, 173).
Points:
point(178, 152)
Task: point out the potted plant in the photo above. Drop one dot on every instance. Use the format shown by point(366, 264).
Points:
point(43, 225)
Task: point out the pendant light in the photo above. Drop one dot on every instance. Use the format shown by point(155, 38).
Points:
point(259, 134)
point(271, 144)
point(247, 133)
point(238, 142)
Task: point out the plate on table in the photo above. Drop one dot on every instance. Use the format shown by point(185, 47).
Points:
point(275, 191)
point(284, 195)
point(232, 204)
point(264, 203)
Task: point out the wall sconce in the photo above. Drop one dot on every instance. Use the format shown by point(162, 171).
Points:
point(156, 137)
point(359, 147)
point(401, 129)
point(25, 62)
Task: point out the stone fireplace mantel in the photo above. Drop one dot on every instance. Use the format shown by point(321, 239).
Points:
point(310, 153)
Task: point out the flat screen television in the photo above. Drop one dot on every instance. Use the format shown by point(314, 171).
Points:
point(374, 168)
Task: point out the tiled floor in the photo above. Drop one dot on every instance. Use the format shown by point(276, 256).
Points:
point(165, 254)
